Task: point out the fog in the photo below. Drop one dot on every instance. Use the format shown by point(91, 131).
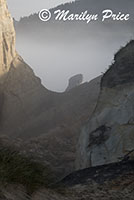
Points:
point(56, 60)
point(57, 52)
point(19, 8)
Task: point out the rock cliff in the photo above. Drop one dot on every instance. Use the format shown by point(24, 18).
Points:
point(7, 39)
point(109, 134)
point(42, 120)
point(28, 110)
point(20, 90)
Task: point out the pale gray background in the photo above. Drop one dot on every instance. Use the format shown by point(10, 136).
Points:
point(20, 8)
point(56, 60)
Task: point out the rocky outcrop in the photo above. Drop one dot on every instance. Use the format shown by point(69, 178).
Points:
point(114, 181)
point(109, 134)
point(103, 183)
point(74, 81)
point(122, 71)
point(39, 121)
point(22, 96)
point(7, 39)
point(21, 91)
point(60, 122)
point(28, 110)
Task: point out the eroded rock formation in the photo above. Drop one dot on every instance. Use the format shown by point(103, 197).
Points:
point(7, 39)
point(46, 123)
point(21, 91)
point(109, 134)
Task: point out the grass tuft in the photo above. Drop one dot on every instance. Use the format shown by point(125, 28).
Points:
point(17, 169)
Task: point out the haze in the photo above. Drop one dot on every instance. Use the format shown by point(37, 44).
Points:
point(56, 60)
point(20, 8)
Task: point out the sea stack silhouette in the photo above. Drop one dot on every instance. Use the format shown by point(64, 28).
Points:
point(74, 81)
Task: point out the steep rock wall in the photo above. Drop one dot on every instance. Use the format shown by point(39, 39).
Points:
point(109, 134)
point(21, 92)
point(7, 39)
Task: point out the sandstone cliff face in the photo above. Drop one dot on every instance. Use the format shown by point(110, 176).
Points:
point(20, 90)
point(109, 134)
point(7, 39)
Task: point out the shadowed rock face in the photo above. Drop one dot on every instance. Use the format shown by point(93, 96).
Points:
point(113, 181)
point(74, 81)
point(122, 71)
point(109, 134)
point(21, 91)
point(52, 133)
point(48, 123)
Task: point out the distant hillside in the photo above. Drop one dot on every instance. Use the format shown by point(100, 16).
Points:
point(29, 23)
point(93, 6)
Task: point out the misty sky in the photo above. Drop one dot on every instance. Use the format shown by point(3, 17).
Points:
point(19, 8)
point(55, 59)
